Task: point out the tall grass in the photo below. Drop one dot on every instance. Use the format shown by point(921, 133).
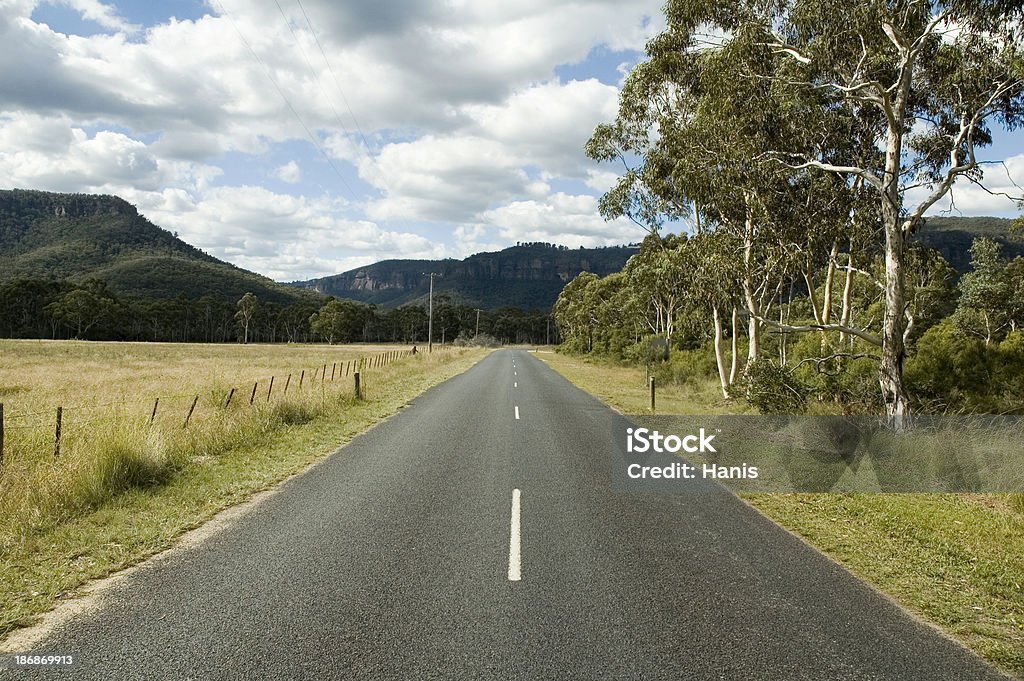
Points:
point(112, 448)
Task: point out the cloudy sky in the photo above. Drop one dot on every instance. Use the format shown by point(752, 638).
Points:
point(300, 138)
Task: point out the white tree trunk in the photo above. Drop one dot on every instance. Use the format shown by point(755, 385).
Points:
point(719, 355)
point(753, 305)
point(735, 354)
point(844, 315)
point(890, 370)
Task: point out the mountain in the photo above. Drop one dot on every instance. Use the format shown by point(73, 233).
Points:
point(952, 237)
point(75, 237)
point(528, 276)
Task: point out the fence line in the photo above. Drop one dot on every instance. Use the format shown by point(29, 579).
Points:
point(353, 367)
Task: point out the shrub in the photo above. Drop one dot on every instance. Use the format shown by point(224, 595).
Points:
point(775, 389)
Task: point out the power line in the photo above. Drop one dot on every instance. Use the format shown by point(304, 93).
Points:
point(334, 76)
point(309, 64)
point(280, 91)
point(365, 148)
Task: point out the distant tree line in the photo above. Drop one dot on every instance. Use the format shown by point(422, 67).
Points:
point(678, 306)
point(31, 308)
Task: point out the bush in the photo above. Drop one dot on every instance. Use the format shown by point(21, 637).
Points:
point(775, 389)
point(687, 367)
point(849, 382)
point(954, 373)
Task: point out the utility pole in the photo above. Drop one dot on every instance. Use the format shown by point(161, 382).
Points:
point(430, 316)
point(477, 323)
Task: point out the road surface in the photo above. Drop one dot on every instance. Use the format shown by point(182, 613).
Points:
point(475, 535)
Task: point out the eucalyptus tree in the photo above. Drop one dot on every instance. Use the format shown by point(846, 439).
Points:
point(931, 78)
point(574, 311)
point(701, 122)
point(894, 96)
point(986, 306)
point(80, 309)
point(659, 282)
point(714, 262)
point(247, 306)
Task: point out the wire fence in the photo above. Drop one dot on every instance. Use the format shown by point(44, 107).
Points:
point(56, 421)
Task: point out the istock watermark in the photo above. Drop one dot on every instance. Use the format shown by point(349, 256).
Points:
point(641, 440)
point(816, 454)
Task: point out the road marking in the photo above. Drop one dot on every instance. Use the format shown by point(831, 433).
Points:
point(517, 412)
point(515, 559)
point(515, 373)
point(516, 384)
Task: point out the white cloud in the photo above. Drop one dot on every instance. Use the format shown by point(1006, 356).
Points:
point(1000, 182)
point(289, 172)
point(568, 219)
point(103, 14)
point(451, 114)
point(283, 236)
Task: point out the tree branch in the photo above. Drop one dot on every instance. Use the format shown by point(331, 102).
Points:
point(864, 335)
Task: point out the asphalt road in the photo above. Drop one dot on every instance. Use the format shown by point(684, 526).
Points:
point(396, 558)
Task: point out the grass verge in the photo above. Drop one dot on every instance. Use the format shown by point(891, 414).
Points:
point(133, 491)
point(955, 560)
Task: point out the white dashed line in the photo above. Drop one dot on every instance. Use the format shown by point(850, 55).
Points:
point(515, 568)
point(517, 412)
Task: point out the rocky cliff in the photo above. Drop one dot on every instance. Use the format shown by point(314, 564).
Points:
point(529, 276)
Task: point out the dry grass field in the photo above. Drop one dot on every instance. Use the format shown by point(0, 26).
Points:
point(124, 486)
point(37, 376)
point(132, 414)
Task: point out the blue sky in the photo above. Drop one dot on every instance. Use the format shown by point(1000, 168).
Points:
point(300, 138)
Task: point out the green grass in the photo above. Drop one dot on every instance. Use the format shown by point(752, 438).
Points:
point(125, 490)
point(955, 560)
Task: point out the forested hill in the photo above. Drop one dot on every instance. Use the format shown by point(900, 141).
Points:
point(528, 276)
point(77, 237)
point(952, 237)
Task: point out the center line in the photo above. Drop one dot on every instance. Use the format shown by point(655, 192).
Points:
point(516, 384)
point(514, 555)
point(517, 412)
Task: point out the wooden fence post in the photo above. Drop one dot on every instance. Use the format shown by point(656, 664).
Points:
point(359, 391)
point(190, 410)
point(152, 415)
point(228, 401)
point(287, 383)
point(253, 396)
point(271, 388)
point(652, 394)
point(323, 375)
point(333, 367)
point(56, 439)
point(1, 437)
point(302, 377)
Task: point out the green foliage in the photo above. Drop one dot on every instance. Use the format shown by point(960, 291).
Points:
point(991, 295)
point(340, 320)
point(846, 379)
point(960, 374)
point(690, 367)
point(775, 389)
point(80, 309)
